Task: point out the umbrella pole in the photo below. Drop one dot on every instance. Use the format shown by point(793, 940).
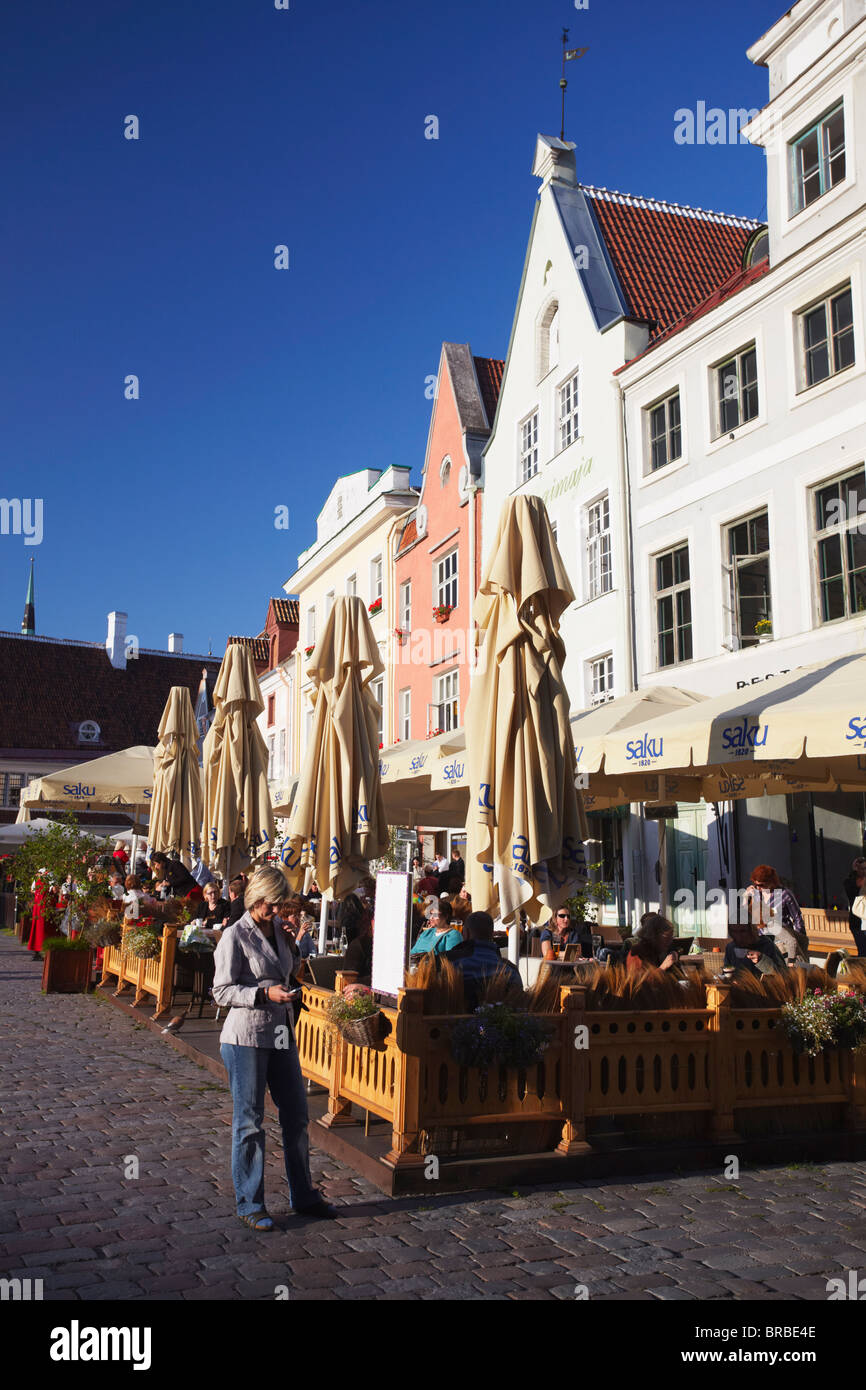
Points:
point(323, 925)
point(514, 943)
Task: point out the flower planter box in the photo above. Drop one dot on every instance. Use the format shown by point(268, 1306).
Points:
point(442, 617)
point(66, 972)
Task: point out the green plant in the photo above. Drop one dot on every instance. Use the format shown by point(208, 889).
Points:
point(104, 931)
point(144, 942)
point(819, 1021)
point(496, 1034)
point(355, 1003)
point(763, 625)
point(584, 905)
point(65, 943)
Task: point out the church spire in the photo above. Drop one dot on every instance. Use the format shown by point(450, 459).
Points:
point(28, 622)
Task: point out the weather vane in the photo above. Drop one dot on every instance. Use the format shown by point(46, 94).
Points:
point(567, 55)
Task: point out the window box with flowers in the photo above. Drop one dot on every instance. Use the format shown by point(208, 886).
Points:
point(308, 651)
point(764, 629)
point(442, 612)
point(375, 607)
point(401, 633)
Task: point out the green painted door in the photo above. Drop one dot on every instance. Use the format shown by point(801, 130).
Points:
point(687, 864)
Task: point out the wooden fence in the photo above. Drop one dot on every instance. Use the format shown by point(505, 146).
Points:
point(152, 977)
point(719, 1073)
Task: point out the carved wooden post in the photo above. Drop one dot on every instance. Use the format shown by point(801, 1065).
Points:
point(722, 1062)
point(406, 1129)
point(339, 1111)
point(575, 1068)
point(121, 967)
point(166, 970)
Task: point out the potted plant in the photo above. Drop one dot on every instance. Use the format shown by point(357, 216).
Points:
point(375, 607)
point(401, 634)
point(497, 1035)
point(143, 941)
point(442, 612)
point(764, 629)
point(67, 966)
point(822, 1021)
point(356, 1015)
point(308, 651)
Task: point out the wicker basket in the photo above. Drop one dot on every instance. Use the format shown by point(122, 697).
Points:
point(363, 1032)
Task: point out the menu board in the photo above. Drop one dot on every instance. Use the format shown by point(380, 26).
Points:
point(390, 936)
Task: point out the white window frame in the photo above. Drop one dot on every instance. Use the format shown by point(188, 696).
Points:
point(665, 402)
point(527, 447)
point(330, 600)
point(311, 625)
point(734, 360)
point(825, 302)
point(673, 590)
point(281, 754)
point(447, 586)
point(852, 522)
point(377, 579)
point(599, 547)
point(730, 586)
point(406, 714)
point(352, 586)
point(796, 189)
point(447, 700)
point(406, 605)
point(600, 679)
point(568, 411)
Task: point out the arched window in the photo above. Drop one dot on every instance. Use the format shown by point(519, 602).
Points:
point(445, 470)
point(88, 731)
point(548, 339)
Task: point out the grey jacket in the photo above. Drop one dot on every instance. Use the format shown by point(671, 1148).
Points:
point(245, 962)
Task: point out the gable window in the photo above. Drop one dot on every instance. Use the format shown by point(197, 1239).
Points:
point(528, 448)
point(673, 606)
point(445, 471)
point(827, 338)
point(598, 548)
point(445, 580)
point(445, 713)
point(272, 700)
point(600, 679)
point(568, 411)
point(736, 391)
point(747, 577)
point(405, 714)
point(406, 605)
point(840, 546)
point(88, 731)
point(818, 159)
point(548, 340)
point(665, 432)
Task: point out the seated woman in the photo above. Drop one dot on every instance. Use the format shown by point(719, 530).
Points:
point(438, 934)
point(651, 946)
point(215, 909)
point(359, 949)
point(749, 949)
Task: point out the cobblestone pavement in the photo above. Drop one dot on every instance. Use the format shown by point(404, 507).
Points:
point(84, 1087)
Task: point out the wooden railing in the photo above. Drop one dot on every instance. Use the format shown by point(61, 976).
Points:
point(719, 1064)
point(152, 977)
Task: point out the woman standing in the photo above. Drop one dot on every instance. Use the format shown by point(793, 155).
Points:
point(253, 960)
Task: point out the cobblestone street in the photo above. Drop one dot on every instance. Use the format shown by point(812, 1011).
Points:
point(85, 1088)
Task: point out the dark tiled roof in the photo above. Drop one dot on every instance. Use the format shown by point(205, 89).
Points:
point(409, 536)
point(489, 371)
point(286, 610)
point(668, 258)
point(259, 646)
point(740, 280)
point(49, 687)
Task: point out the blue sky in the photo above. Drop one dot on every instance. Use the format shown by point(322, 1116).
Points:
point(305, 127)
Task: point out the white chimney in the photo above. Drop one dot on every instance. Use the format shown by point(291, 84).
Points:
point(115, 642)
point(175, 641)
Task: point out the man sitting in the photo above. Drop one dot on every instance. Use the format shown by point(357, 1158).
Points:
point(236, 901)
point(478, 958)
point(752, 950)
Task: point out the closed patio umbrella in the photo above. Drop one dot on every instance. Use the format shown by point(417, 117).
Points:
point(176, 810)
point(526, 825)
point(238, 818)
point(338, 821)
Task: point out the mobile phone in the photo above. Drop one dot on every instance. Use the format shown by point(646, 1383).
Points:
point(293, 993)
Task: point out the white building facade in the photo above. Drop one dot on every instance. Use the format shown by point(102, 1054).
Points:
point(745, 434)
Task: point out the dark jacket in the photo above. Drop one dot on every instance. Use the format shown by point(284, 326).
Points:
point(236, 911)
point(479, 961)
point(768, 949)
point(359, 957)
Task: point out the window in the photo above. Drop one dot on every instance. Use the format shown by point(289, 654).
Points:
point(446, 712)
point(11, 784)
point(376, 579)
point(281, 757)
point(528, 448)
point(272, 700)
point(601, 680)
point(330, 598)
point(311, 626)
point(568, 412)
point(352, 586)
point(378, 689)
point(405, 714)
point(840, 546)
point(737, 391)
point(828, 338)
point(665, 432)
point(445, 471)
point(747, 576)
point(271, 741)
point(818, 159)
point(548, 340)
point(445, 580)
point(406, 605)
point(673, 606)
point(598, 548)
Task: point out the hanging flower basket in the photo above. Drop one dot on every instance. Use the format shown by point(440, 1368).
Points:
point(401, 634)
point(356, 1016)
point(442, 612)
point(375, 607)
point(144, 942)
point(820, 1022)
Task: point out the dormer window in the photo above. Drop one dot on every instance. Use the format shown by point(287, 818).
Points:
point(88, 731)
point(818, 159)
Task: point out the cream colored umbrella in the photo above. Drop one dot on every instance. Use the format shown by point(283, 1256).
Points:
point(338, 820)
point(121, 780)
point(526, 825)
point(176, 810)
point(238, 819)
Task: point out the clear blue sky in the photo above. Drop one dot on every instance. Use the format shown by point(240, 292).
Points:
point(305, 127)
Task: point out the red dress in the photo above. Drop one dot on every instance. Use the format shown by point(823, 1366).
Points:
point(38, 925)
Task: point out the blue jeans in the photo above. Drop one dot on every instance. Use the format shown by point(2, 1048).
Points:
point(250, 1069)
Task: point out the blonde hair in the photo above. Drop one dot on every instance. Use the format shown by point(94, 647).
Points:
point(267, 882)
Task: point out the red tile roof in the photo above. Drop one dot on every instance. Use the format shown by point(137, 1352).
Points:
point(50, 687)
point(259, 646)
point(409, 536)
point(740, 280)
point(489, 371)
point(286, 610)
point(668, 258)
